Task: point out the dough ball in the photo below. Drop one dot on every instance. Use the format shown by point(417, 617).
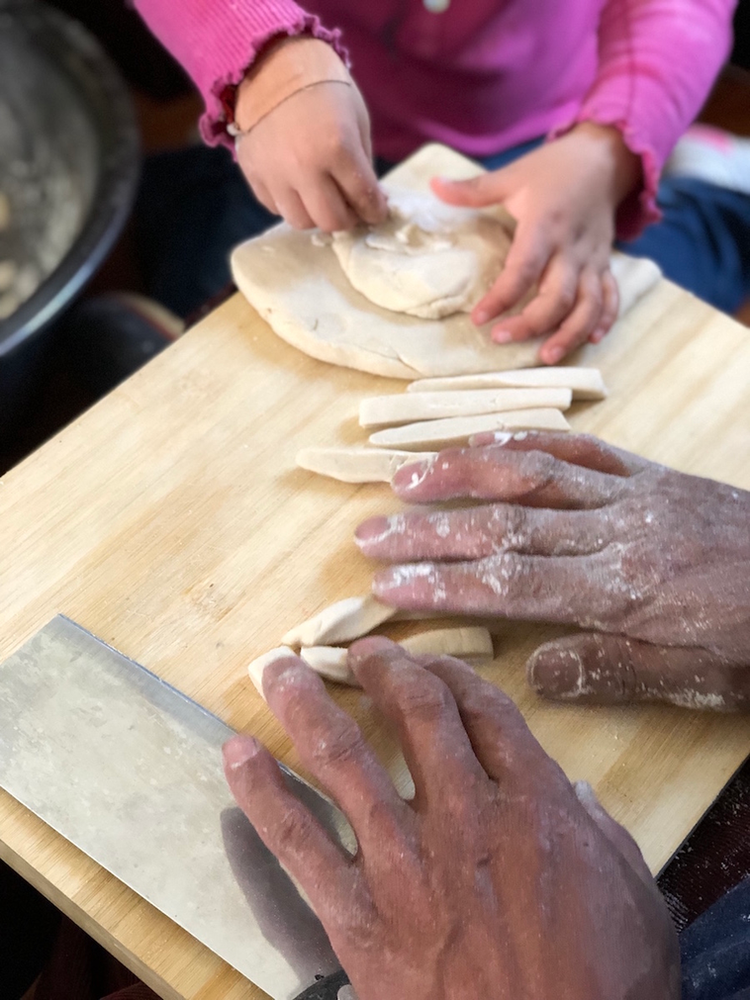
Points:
point(427, 259)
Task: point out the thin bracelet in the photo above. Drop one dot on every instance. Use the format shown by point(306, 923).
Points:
point(238, 133)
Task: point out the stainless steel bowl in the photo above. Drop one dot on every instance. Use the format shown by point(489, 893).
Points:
point(68, 173)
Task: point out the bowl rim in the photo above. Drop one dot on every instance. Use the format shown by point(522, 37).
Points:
point(107, 102)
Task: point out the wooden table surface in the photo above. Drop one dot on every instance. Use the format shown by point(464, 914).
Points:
point(170, 521)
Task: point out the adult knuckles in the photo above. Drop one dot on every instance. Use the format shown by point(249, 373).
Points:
point(291, 831)
point(338, 744)
point(420, 696)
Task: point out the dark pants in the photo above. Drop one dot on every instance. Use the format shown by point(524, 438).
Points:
point(716, 950)
point(195, 206)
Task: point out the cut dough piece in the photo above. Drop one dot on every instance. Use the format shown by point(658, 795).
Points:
point(437, 434)
point(357, 465)
point(329, 662)
point(428, 259)
point(303, 294)
point(470, 643)
point(341, 622)
point(256, 668)
point(385, 411)
point(586, 383)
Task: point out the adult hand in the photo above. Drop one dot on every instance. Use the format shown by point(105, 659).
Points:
point(564, 196)
point(309, 157)
point(653, 561)
point(497, 880)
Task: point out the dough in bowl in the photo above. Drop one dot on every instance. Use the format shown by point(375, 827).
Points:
point(428, 259)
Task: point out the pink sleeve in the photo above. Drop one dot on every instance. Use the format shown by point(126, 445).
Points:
point(657, 62)
point(216, 41)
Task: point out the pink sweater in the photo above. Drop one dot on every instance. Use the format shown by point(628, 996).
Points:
point(483, 75)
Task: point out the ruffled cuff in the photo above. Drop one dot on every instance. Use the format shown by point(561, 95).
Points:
point(639, 208)
point(221, 80)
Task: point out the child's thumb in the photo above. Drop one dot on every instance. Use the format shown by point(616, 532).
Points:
point(487, 189)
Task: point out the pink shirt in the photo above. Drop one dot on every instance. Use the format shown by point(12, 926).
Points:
point(483, 75)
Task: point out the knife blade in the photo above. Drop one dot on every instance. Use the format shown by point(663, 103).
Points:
point(129, 770)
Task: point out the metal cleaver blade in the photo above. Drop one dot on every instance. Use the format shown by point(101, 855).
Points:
point(129, 770)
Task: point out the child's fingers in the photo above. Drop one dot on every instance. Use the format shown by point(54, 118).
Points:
point(264, 196)
point(292, 208)
point(356, 178)
point(526, 261)
point(487, 189)
point(558, 292)
point(610, 307)
point(327, 206)
point(581, 323)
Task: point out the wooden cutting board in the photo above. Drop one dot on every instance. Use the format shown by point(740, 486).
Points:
point(170, 521)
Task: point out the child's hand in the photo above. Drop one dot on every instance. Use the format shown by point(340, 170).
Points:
point(309, 158)
point(564, 196)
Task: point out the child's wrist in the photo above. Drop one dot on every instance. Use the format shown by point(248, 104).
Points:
point(287, 66)
point(626, 166)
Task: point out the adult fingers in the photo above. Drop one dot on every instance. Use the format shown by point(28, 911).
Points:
point(478, 532)
point(581, 322)
point(327, 206)
point(553, 303)
point(500, 738)
point(574, 590)
point(578, 449)
point(617, 835)
point(332, 747)
point(476, 192)
point(610, 307)
point(532, 478)
point(608, 669)
point(433, 739)
point(527, 258)
point(286, 826)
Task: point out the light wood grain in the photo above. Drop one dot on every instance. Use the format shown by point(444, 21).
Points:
point(171, 521)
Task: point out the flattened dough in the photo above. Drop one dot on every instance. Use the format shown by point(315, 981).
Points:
point(437, 434)
point(301, 291)
point(357, 465)
point(586, 383)
point(386, 411)
point(428, 259)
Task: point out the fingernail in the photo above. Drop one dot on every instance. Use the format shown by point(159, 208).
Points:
point(409, 477)
point(238, 751)
point(502, 336)
point(483, 439)
point(363, 649)
point(378, 529)
point(480, 317)
point(448, 181)
point(258, 667)
point(553, 355)
point(556, 673)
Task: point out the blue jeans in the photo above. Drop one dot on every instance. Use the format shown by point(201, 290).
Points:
point(715, 950)
point(194, 206)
